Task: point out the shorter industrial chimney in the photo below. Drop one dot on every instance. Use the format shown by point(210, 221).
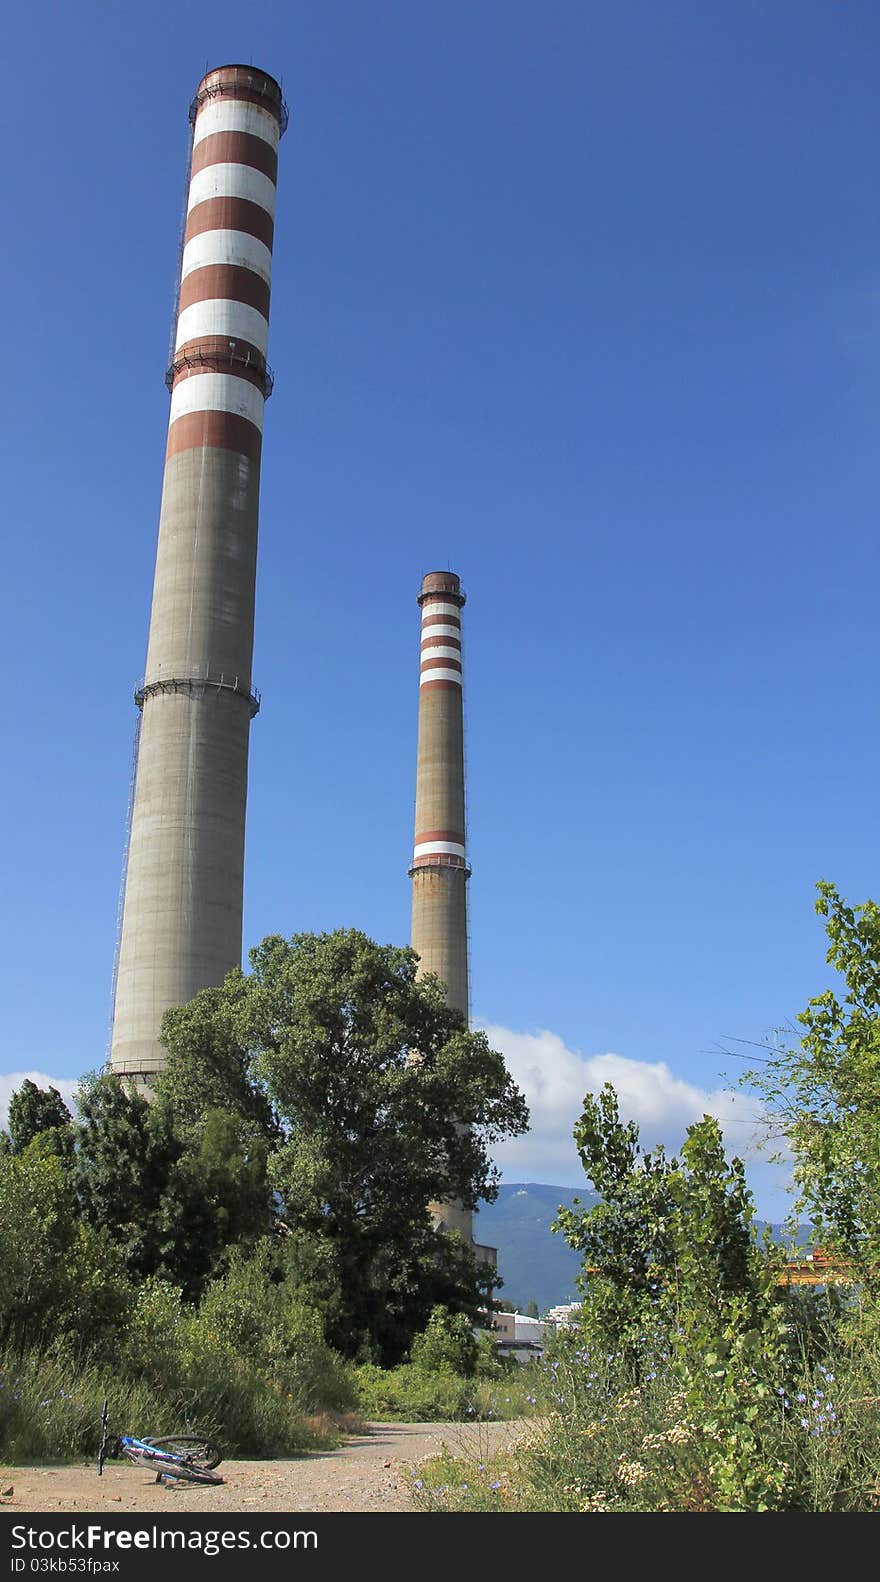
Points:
point(440, 869)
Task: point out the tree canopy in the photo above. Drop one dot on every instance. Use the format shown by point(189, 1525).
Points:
point(373, 1100)
point(824, 1091)
point(326, 1100)
point(669, 1247)
point(40, 1112)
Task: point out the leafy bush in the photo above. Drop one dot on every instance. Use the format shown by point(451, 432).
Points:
point(249, 1364)
point(446, 1345)
point(264, 1321)
point(415, 1395)
point(453, 1376)
point(58, 1277)
point(669, 1252)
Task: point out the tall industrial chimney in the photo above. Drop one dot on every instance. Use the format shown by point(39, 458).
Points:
point(440, 869)
point(182, 918)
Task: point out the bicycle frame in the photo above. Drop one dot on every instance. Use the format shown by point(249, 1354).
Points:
point(145, 1455)
point(159, 1458)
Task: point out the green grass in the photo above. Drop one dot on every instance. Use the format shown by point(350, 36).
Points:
point(50, 1411)
point(409, 1394)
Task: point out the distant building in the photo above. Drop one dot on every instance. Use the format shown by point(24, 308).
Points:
point(519, 1337)
point(564, 1316)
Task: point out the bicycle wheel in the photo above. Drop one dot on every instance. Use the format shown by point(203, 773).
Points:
point(194, 1449)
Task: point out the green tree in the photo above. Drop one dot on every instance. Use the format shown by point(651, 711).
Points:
point(723, 1277)
point(125, 1152)
point(217, 1196)
point(668, 1250)
point(59, 1281)
point(375, 1101)
point(171, 1204)
point(625, 1238)
point(40, 1112)
point(37, 1230)
point(224, 1076)
point(446, 1345)
point(824, 1092)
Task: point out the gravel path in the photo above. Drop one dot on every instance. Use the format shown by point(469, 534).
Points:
point(371, 1472)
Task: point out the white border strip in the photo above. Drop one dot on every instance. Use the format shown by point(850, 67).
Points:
point(221, 316)
point(440, 675)
point(428, 848)
point(232, 181)
point(212, 392)
point(227, 247)
point(437, 651)
point(236, 115)
point(437, 629)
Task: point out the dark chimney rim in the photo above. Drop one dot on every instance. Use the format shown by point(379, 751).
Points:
point(255, 85)
point(447, 583)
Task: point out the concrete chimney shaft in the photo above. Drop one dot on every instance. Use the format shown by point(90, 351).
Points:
point(440, 869)
point(182, 917)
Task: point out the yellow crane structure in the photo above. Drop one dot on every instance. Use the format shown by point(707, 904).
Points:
point(815, 1268)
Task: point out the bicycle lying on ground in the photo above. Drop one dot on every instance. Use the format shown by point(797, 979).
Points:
point(187, 1458)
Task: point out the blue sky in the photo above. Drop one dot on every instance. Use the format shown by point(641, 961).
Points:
point(581, 300)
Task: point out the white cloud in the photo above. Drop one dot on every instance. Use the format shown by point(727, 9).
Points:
point(555, 1078)
point(11, 1081)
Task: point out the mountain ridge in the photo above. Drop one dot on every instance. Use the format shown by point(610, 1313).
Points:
point(534, 1264)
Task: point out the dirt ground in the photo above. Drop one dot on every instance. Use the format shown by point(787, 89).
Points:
point(371, 1472)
